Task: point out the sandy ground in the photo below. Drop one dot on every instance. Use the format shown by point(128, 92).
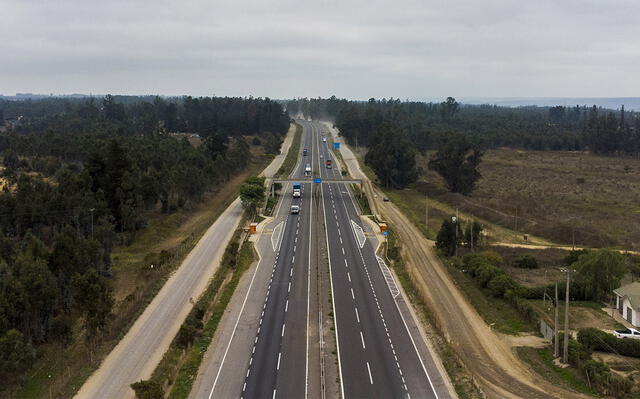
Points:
point(488, 356)
point(565, 247)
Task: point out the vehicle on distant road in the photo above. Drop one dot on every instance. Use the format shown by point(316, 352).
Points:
point(296, 190)
point(627, 333)
point(304, 152)
point(324, 139)
point(385, 199)
point(295, 209)
point(307, 170)
point(328, 164)
point(321, 156)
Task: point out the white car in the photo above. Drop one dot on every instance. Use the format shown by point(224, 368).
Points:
point(324, 139)
point(295, 209)
point(627, 333)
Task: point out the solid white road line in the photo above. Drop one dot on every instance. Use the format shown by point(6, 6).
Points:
point(333, 303)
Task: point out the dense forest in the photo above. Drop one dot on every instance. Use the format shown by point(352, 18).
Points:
point(79, 176)
point(394, 131)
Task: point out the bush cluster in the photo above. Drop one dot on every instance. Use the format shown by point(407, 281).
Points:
point(598, 373)
point(526, 262)
point(482, 268)
point(599, 340)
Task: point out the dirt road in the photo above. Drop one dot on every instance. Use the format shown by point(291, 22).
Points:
point(488, 357)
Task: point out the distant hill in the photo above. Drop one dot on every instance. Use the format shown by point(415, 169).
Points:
point(630, 103)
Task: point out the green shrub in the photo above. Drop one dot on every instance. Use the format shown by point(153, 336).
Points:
point(500, 284)
point(189, 331)
point(148, 390)
point(523, 307)
point(493, 257)
point(526, 262)
point(604, 342)
point(578, 354)
point(472, 262)
point(574, 255)
point(485, 273)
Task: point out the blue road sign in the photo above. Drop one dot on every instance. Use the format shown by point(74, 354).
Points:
point(385, 233)
point(336, 145)
point(317, 180)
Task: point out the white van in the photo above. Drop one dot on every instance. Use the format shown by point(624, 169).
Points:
point(295, 209)
point(307, 170)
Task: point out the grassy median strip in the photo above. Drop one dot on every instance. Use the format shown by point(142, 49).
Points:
point(179, 366)
point(292, 156)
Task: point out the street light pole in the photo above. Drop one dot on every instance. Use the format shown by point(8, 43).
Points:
point(556, 344)
point(565, 354)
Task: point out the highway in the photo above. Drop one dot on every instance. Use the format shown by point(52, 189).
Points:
point(268, 345)
point(265, 345)
point(278, 364)
point(377, 355)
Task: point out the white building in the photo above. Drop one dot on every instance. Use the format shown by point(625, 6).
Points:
point(628, 302)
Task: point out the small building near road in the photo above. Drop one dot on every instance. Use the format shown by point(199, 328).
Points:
point(628, 302)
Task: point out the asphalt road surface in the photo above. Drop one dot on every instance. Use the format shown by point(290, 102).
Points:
point(266, 346)
point(377, 355)
point(263, 347)
point(278, 364)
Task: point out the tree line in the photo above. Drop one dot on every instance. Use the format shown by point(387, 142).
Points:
point(76, 183)
point(206, 116)
point(396, 131)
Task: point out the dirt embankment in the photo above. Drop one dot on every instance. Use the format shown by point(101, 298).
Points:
point(488, 356)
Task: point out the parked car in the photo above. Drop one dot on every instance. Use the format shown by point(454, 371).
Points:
point(627, 333)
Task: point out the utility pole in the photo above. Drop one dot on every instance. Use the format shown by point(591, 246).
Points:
point(565, 354)
point(556, 344)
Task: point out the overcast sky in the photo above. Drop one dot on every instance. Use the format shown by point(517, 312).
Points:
point(353, 49)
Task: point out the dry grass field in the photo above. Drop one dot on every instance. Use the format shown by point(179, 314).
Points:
point(555, 195)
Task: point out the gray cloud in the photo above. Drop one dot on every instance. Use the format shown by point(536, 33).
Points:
point(355, 49)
